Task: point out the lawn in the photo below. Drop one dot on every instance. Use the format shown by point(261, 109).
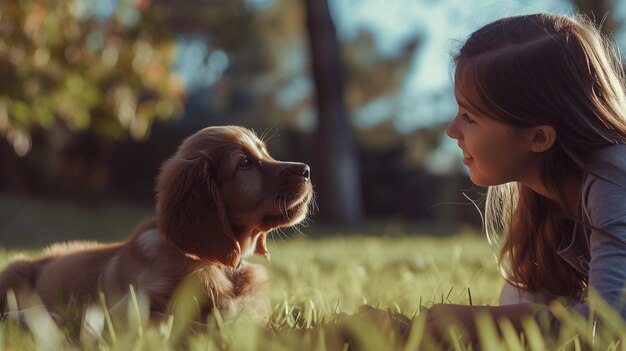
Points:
point(315, 282)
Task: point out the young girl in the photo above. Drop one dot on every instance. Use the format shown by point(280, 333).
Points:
point(542, 123)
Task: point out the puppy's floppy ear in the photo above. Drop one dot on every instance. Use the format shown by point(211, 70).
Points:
point(191, 214)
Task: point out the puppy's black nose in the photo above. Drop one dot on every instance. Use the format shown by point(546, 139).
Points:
point(301, 170)
point(306, 172)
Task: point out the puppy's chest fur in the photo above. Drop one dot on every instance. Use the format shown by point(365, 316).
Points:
point(213, 285)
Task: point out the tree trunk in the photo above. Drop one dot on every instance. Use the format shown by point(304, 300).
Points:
point(336, 171)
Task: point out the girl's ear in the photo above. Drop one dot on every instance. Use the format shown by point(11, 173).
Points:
point(191, 214)
point(542, 138)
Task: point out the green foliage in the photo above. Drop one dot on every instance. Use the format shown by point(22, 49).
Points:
point(318, 282)
point(63, 62)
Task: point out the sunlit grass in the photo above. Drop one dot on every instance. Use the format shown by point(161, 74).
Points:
point(400, 272)
point(317, 282)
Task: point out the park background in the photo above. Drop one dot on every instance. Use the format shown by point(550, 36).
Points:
point(96, 94)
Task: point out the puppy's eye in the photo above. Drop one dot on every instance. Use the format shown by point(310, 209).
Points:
point(244, 162)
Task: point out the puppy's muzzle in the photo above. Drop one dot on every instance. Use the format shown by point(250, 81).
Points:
point(298, 172)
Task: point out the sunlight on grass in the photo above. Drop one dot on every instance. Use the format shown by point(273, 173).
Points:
point(403, 272)
point(316, 283)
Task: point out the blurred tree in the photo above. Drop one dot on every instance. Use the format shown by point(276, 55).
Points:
point(288, 87)
point(339, 188)
point(84, 80)
point(265, 80)
point(228, 30)
point(372, 76)
point(79, 65)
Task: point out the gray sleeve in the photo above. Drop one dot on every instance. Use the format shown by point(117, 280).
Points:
point(604, 203)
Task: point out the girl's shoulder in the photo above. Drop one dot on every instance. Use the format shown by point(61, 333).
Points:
point(609, 164)
point(603, 195)
point(614, 154)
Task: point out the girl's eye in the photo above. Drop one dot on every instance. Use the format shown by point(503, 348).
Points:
point(467, 118)
point(245, 162)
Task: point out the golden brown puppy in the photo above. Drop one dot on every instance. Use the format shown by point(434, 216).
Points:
point(218, 197)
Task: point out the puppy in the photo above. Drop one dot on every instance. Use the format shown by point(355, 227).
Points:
point(217, 198)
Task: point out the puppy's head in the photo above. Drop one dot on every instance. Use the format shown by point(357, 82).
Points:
point(221, 193)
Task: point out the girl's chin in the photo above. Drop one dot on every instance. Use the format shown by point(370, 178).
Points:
point(480, 181)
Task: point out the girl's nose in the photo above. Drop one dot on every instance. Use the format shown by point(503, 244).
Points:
point(452, 130)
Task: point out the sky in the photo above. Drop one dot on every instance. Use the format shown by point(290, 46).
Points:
point(426, 97)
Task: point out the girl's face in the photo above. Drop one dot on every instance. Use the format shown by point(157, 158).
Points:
point(494, 152)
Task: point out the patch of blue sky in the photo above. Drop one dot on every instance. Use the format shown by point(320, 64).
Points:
point(426, 96)
point(446, 158)
point(256, 5)
point(104, 9)
point(294, 92)
point(619, 15)
point(197, 64)
point(125, 11)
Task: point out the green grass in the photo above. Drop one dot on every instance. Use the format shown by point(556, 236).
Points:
point(315, 283)
point(400, 272)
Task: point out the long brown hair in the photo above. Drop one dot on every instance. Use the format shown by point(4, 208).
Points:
point(543, 69)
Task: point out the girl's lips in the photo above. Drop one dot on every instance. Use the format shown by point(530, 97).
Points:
point(468, 160)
